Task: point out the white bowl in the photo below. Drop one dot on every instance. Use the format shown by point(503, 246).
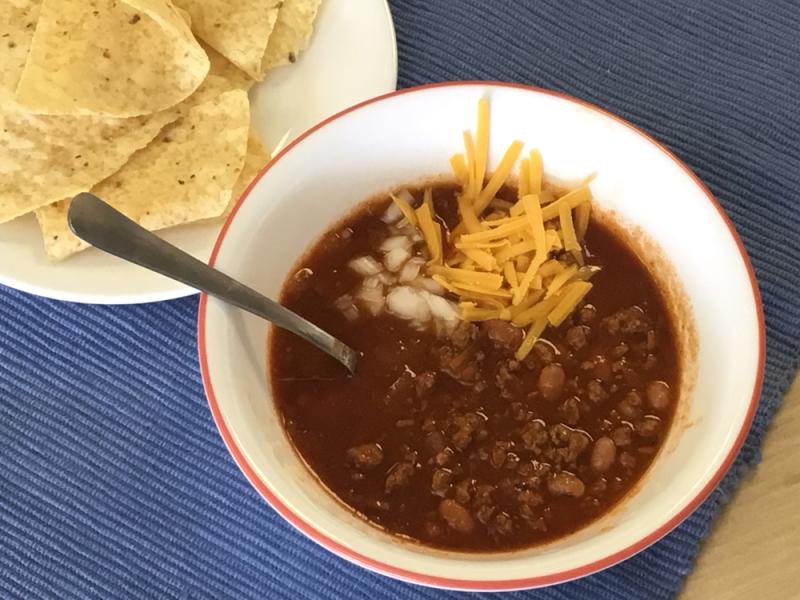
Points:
point(409, 134)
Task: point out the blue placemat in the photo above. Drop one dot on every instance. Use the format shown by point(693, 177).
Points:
point(113, 480)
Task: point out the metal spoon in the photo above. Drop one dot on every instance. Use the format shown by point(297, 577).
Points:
point(106, 228)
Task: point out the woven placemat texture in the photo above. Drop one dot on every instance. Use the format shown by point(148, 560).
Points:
point(113, 480)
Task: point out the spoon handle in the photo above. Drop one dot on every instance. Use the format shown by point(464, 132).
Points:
point(104, 227)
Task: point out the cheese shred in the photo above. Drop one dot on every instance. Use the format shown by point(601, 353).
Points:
point(523, 261)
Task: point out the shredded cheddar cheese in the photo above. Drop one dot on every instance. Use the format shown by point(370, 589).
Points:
point(522, 260)
point(406, 209)
point(459, 166)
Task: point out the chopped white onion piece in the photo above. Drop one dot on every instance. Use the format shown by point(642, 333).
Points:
point(396, 258)
point(386, 279)
point(441, 308)
point(411, 269)
point(408, 303)
point(392, 214)
point(397, 241)
point(346, 306)
point(375, 281)
point(372, 298)
point(365, 265)
point(428, 284)
point(406, 195)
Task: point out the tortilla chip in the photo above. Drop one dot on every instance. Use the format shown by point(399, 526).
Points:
point(185, 175)
point(17, 24)
point(44, 158)
point(257, 156)
point(229, 75)
point(292, 32)
point(237, 30)
point(47, 157)
point(119, 58)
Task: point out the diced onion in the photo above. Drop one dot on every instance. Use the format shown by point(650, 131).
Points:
point(347, 307)
point(411, 270)
point(386, 279)
point(408, 303)
point(374, 281)
point(396, 258)
point(394, 242)
point(392, 214)
point(365, 265)
point(441, 308)
point(406, 195)
point(372, 298)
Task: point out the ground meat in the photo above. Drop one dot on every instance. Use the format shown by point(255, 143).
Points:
point(465, 428)
point(648, 427)
point(587, 314)
point(434, 441)
point(502, 524)
point(401, 389)
point(658, 395)
point(627, 460)
point(619, 351)
point(596, 392)
point(534, 436)
point(399, 477)
point(604, 453)
point(433, 530)
point(519, 412)
point(577, 336)
point(424, 383)
point(463, 366)
point(499, 453)
point(456, 516)
point(628, 322)
point(464, 490)
point(530, 498)
point(443, 458)
point(544, 352)
point(570, 444)
point(602, 369)
point(570, 410)
point(551, 381)
point(441, 481)
point(630, 407)
point(566, 484)
point(503, 334)
point(366, 456)
point(622, 436)
point(484, 513)
point(464, 334)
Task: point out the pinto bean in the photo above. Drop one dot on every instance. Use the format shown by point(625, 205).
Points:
point(551, 381)
point(604, 453)
point(566, 484)
point(658, 395)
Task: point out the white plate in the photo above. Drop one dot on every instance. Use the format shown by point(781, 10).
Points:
point(352, 57)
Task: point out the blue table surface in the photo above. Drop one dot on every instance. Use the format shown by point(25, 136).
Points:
point(113, 480)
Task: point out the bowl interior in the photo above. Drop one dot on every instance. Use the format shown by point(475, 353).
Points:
point(409, 135)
